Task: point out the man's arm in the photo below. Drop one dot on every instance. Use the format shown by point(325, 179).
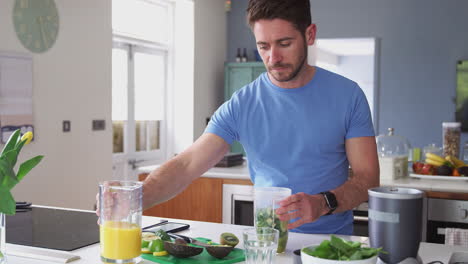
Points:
point(176, 174)
point(362, 156)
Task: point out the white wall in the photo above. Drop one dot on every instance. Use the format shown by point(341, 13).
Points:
point(199, 91)
point(72, 81)
point(180, 135)
point(210, 53)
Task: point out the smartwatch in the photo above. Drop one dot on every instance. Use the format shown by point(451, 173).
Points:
point(331, 201)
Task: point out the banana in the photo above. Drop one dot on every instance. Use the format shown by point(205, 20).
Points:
point(456, 162)
point(450, 160)
point(435, 162)
point(435, 157)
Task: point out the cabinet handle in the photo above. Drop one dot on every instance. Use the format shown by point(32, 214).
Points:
point(441, 231)
point(361, 218)
point(463, 213)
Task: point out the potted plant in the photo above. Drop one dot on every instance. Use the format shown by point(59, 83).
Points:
point(9, 178)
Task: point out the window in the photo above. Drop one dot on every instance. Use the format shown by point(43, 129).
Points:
point(141, 70)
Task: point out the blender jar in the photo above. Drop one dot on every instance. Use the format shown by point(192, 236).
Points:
point(266, 201)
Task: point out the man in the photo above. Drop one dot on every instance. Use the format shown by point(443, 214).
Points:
point(301, 127)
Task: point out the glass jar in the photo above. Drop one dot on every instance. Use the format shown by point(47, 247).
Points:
point(431, 148)
point(393, 155)
point(451, 138)
point(465, 152)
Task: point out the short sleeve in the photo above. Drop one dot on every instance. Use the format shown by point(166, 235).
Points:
point(359, 120)
point(224, 121)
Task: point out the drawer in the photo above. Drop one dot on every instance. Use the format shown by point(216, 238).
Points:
point(447, 210)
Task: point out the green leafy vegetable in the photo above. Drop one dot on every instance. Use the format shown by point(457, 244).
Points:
point(266, 217)
point(339, 249)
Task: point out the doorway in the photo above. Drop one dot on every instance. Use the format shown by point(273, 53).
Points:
point(354, 58)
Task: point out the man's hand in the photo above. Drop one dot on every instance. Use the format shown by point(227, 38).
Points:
point(114, 206)
point(308, 208)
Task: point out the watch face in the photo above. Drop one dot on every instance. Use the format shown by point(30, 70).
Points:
point(331, 200)
point(36, 23)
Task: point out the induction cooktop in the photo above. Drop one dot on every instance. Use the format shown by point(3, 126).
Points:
point(52, 228)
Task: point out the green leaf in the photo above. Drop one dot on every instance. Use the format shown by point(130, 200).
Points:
point(370, 252)
point(11, 143)
point(27, 166)
point(11, 156)
point(308, 251)
point(340, 244)
point(7, 203)
point(8, 175)
point(356, 255)
point(354, 244)
point(20, 145)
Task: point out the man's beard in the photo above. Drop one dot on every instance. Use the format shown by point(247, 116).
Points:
point(293, 74)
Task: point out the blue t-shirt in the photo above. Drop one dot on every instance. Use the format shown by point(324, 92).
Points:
point(295, 138)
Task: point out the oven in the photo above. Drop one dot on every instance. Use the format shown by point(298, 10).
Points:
point(444, 213)
point(361, 220)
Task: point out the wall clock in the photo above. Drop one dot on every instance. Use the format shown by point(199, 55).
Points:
point(36, 24)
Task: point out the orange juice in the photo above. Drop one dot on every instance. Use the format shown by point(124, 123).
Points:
point(120, 240)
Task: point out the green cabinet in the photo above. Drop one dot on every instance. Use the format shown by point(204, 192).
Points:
point(236, 76)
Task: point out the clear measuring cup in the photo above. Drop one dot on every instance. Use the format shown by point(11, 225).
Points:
point(120, 205)
point(266, 201)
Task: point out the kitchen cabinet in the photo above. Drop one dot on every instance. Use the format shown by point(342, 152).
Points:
point(237, 75)
point(201, 201)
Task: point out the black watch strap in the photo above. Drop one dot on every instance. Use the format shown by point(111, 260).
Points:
point(330, 200)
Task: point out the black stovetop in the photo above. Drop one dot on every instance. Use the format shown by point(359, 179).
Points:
point(52, 228)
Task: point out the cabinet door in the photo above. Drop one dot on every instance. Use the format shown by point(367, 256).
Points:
point(237, 75)
point(201, 201)
point(237, 78)
point(257, 70)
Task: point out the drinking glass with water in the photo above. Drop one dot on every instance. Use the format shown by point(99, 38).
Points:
point(260, 244)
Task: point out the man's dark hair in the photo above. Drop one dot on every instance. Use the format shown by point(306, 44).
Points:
point(295, 11)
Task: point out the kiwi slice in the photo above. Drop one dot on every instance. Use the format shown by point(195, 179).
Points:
point(229, 239)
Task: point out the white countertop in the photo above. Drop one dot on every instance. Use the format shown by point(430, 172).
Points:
point(242, 172)
point(428, 252)
point(429, 185)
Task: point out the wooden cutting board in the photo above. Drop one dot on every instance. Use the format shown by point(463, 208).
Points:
point(237, 255)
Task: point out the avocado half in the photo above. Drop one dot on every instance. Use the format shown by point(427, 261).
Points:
point(219, 251)
point(181, 250)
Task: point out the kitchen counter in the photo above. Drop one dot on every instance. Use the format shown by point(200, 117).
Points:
point(429, 185)
point(242, 173)
point(428, 252)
